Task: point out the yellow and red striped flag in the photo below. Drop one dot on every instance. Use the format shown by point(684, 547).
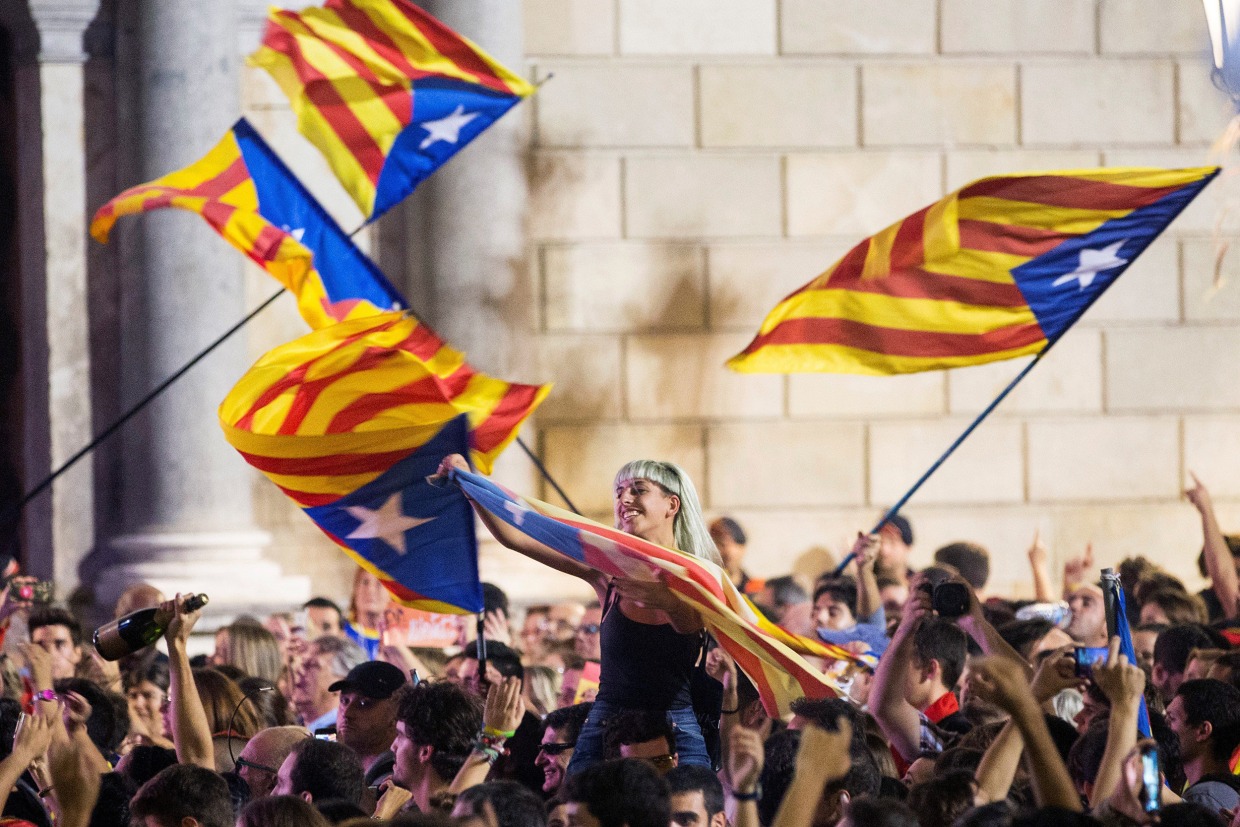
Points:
point(246, 193)
point(363, 386)
point(220, 188)
point(998, 269)
point(773, 658)
point(385, 91)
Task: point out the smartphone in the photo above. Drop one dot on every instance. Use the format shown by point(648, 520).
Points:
point(325, 734)
point(1085, 658)
point(1151, 779)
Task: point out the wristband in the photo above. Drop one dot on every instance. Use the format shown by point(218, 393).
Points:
point(753, 795)
point(46, 695)
point(729, 711)
point(498, 733)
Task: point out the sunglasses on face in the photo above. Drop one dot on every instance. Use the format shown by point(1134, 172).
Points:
point(554, 748)
point(589, 628)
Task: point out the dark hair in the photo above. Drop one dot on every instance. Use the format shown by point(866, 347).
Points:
point(1218, 703)
point(184, 791)
point(880, 812)
point(504, 658)
point(1023, 635)
point(145, 762)
point(732, 528)
point(323, 603)
point(970, 559)
point(55, 616)
point(825, 712)
point(1179, 606)
point(941, 640)
point(636, 726)
point(270, 706)
point(1176, 643)
point(779, 761)
point(1189, 814)
point(786, 591)
point(627, 791)
point(326, 769)
point(1085, 757)
point(1233, 545)
point(842, 590)
point(112, 805)
point(108, 723)
point(515, 804)
point(443, 716)
point(281, 811)
point(152, 670)
point(689, 778)
point(570, 719)
point(944, 798)
point(494, 599)
point(337, 810)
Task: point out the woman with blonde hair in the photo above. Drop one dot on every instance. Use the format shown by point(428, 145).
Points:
point(367, 603)
point(650, 640)
point(541, 688)
point(253, 650)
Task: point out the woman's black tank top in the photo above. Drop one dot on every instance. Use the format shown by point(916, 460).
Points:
point(644, 666)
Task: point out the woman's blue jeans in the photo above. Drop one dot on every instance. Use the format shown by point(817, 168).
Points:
point(690, 746)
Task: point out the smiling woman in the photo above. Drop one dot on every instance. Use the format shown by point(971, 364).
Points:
point(649, 640)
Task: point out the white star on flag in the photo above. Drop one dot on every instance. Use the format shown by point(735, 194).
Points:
point(446, 128)
point(1093, 262)
point(517, 512)
point(295, 233)
point(389, 523)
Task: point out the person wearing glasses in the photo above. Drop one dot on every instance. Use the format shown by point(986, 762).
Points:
point(562, 727)
point(649, 640)
point(260, 760)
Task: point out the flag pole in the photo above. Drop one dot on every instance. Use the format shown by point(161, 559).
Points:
point(891, 512)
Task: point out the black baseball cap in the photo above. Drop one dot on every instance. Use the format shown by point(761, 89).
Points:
point(375, 679)
point(901, 524)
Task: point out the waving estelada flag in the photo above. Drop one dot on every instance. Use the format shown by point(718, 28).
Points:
point(385, 91)
point(349, 421)
point(247, 194)
point(770, 656)
point(998, 269)
point(368, 375)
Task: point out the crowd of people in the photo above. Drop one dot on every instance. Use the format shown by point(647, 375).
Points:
point(624, 711)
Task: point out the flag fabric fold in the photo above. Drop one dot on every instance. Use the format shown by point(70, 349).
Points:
point(1000, 268)
point(356, 388)
point(771, 657)
point(385, 91)
point(247, 194)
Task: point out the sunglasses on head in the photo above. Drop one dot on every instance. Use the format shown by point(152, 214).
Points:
point(554, 748)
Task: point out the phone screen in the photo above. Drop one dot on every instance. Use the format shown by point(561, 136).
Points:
point(1151, 779)
point(1086, 657)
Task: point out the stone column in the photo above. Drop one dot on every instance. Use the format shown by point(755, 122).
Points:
point(468, 258)
point(59, 524)
point(187, 501)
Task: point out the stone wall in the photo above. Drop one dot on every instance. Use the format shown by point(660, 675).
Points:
point(694, 161)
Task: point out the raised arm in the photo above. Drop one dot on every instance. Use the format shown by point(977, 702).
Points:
point(823, 757)
point(1219, 563)
point(1003, 684)
point(998, 766)
point(975, 625)
point(191, 732)
point(1123, 685)
point(897, 718)
point(519, 542)
point(1039, 565)
point(868, 598)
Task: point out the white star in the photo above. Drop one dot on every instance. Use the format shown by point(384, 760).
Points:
point(447, 128)
point(517, 512)
point(1093, 262)
point(389, 523)
point(295, 233)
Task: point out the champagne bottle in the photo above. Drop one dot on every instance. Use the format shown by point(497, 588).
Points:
point(139, 629)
